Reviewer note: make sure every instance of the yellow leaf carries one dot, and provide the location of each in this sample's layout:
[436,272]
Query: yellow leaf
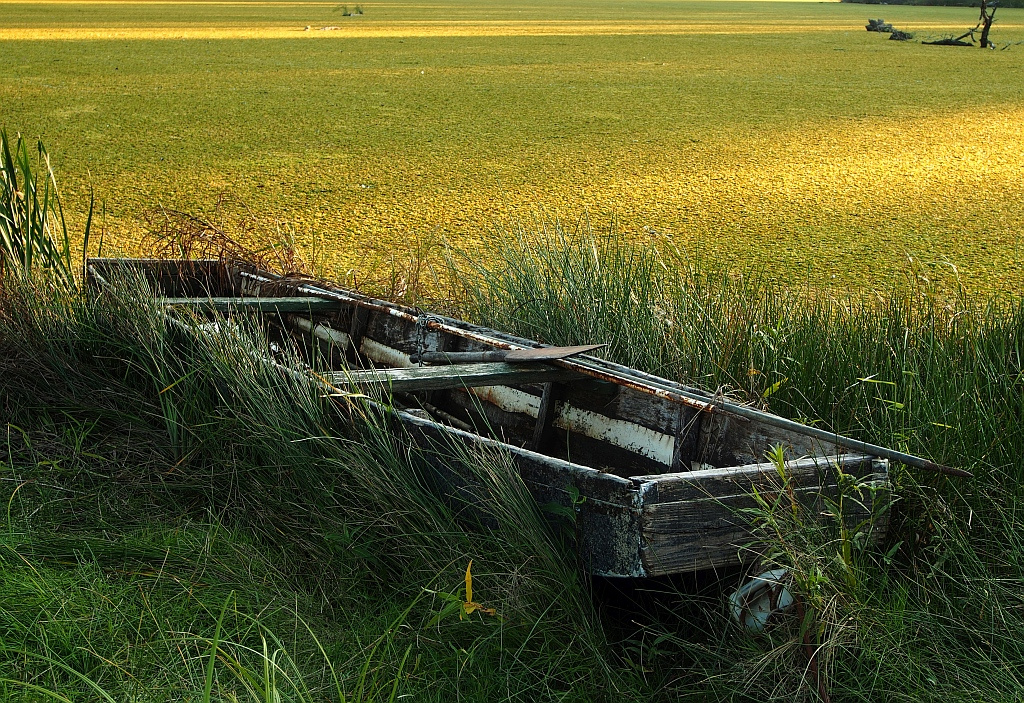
[469,607]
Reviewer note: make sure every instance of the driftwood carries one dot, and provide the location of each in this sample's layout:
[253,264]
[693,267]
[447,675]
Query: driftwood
[985,20]
[948,41]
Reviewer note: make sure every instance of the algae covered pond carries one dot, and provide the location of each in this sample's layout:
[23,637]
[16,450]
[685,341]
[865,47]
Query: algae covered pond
[780,135]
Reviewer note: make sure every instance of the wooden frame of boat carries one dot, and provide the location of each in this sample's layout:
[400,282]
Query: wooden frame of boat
[657,473]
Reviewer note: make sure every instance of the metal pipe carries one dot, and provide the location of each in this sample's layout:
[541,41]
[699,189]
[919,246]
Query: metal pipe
[321,332]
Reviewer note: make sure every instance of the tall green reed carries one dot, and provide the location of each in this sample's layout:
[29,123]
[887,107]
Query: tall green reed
[341,500]
[33,231]
[933,614]
[904,366]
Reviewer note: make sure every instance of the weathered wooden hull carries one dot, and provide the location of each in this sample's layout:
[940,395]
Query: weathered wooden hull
[657,473]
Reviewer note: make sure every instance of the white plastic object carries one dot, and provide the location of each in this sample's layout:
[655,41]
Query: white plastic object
[754,603]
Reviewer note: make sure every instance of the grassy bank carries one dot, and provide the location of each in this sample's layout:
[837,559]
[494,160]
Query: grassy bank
[168,499]
[178,511]
[183,521]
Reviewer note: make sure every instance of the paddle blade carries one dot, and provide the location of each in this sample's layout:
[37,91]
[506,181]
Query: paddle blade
[550,353]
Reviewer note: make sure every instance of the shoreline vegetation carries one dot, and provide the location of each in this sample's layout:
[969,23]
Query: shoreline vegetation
[182,524]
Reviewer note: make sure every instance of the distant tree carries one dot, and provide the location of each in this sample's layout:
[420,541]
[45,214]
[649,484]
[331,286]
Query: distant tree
[988,14]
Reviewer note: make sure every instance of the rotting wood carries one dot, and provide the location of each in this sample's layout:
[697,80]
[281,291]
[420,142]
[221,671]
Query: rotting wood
[443,343]
[671,554]
[543,430]
[620,375]
[687,433]
[631,436]
[429,378]
[193,278]
[697,515]
[491,418]
[690,485]
[605,455]
[356,330]
[511,355]
[608,509]
[724,442]
[697,519]
[620,433]
[626,435]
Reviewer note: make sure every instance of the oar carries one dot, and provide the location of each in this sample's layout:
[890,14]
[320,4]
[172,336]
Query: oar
[508,355]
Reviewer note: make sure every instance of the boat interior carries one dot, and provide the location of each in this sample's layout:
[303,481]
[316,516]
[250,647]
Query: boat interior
[582,409]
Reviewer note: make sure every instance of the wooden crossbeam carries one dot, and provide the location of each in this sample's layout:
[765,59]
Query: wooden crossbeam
[295,304]
[434,378]
[543,430]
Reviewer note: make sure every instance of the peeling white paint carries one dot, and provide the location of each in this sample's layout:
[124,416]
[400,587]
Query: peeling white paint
[509,399]
[383,354]
[327,334]
[628,435]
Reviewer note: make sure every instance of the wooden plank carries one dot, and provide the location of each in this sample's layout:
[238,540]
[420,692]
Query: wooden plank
[700,521]
[272,305]
[431,396]
[721,541]
[710,546]
[593,437]
[484,409]
[730,441]
[606,520]
[623,376]
[691,516]
[429,378]
[733,480]
[675,554]
[590,448]
[356,331]
[542,431]
[687,434]
[630,436]
[194,278]
[624,403]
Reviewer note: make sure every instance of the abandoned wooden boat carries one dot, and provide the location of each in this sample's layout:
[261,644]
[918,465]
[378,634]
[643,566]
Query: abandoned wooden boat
[656,471]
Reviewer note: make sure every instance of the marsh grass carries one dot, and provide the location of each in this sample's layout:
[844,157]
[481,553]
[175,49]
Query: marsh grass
[186,520]
[932,614]
[33,231]
[179,509]
[772,161]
